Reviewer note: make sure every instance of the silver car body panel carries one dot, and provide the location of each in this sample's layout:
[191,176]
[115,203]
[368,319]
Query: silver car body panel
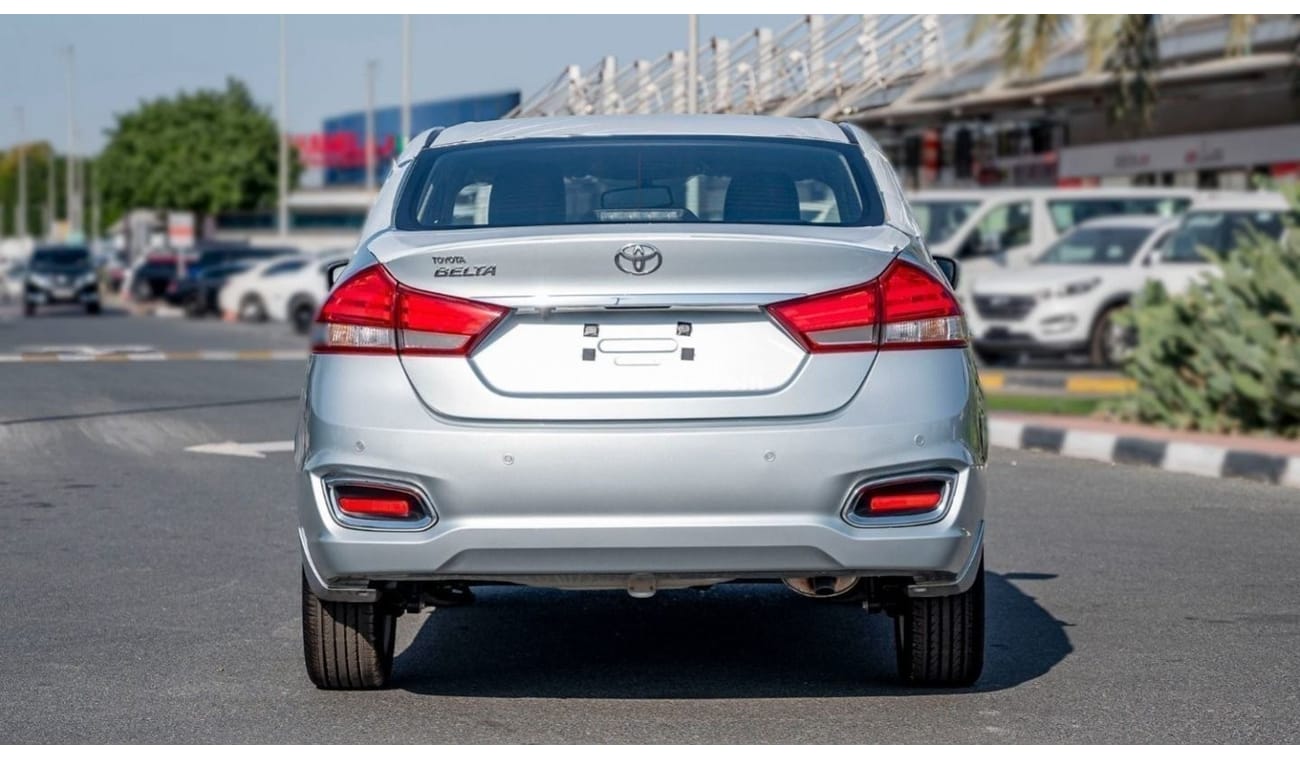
[547,468]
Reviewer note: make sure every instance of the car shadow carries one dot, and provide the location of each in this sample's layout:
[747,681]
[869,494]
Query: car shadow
[733,641]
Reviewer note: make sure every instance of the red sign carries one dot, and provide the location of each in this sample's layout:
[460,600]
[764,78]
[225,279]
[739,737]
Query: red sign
[339,150]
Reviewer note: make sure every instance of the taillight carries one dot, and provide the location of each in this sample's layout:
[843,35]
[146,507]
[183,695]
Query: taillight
[905,307]
[372,313]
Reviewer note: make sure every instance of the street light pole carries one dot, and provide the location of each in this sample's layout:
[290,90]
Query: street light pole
[20,226]
[282,170]
[371,67]
[693,64]
[406,79]
[73,213]
[49,196]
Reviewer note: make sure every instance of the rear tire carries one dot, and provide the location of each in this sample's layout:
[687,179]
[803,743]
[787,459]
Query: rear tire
[302,315]
[92,308]
[29,309]
[940,641]
[347,645]
[251,309]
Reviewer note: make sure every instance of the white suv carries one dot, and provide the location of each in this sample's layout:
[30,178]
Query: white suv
[1064,304]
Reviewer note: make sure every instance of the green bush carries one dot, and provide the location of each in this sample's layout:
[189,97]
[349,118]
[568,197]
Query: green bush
[1225,355]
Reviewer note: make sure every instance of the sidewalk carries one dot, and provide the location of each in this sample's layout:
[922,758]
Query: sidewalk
[1269,460]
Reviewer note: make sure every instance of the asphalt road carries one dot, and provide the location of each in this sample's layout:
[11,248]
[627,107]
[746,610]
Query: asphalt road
[150,594]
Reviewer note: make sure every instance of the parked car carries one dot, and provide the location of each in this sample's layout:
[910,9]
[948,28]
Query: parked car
[151,276]
[295,296]
[243,296]
[61,275]
[197,289]
[12,278]
[992,230]
[1217,221]
[1066,302]
[615,379]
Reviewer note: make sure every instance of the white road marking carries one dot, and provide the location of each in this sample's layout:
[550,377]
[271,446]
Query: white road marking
[250,450]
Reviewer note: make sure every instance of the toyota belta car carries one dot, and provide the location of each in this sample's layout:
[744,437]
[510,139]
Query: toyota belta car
[642,353]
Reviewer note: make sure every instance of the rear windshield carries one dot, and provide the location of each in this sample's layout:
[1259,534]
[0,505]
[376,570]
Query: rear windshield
[641,180]
[60,258]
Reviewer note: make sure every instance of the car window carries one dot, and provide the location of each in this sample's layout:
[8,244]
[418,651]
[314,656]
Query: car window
[1096,245]
[1007,225]
[1072,212]
[1218,231]
[939,220]
[639,180]
[284,267]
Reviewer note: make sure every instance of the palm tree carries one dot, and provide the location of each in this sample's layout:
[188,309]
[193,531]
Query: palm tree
[1124,45]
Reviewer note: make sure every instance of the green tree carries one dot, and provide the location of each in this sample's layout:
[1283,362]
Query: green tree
[1124,45]
[204,152]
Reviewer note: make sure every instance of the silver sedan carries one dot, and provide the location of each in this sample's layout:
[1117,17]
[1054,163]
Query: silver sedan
[642,353]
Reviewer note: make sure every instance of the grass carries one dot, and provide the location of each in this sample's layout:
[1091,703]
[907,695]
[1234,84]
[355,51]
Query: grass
[1028,404]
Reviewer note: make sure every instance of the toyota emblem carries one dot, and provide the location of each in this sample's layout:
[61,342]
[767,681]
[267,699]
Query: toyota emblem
[638,258]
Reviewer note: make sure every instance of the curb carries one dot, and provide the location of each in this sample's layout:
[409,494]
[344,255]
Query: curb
[1094,385]
[1172,456]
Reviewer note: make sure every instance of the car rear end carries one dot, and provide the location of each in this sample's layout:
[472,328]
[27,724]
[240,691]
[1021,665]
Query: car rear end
[644,362]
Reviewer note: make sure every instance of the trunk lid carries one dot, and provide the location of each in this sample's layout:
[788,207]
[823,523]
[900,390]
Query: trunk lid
[636,323]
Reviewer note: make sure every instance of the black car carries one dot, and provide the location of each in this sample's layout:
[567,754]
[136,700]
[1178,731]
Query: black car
[196,291]
[61,274]
[160,276]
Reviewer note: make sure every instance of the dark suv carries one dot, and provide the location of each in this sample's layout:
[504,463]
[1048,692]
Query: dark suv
[61,274]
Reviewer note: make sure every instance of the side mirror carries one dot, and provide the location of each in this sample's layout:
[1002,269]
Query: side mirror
[332,274]
[949,268]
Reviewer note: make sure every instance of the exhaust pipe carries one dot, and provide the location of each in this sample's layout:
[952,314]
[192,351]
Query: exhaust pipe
[822,586]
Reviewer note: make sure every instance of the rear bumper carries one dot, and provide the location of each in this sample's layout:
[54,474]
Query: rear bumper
[590,505]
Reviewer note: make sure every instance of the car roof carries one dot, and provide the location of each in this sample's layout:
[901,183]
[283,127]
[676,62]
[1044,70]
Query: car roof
[605,125]
[1259,200]
[1147,221]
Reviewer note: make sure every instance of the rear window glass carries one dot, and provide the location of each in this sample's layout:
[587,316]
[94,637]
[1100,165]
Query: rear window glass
[644,180]
[1075,211]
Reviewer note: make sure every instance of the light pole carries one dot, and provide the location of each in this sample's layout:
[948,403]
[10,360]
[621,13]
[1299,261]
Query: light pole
[73,212]
[371,66]
[50,201]
[282,171]
[693,64]
[406,80]
[20,226]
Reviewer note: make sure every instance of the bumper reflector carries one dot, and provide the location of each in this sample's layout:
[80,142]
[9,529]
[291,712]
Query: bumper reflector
[359,501]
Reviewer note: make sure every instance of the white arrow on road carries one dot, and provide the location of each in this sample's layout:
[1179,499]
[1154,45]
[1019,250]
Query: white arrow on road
[232,449]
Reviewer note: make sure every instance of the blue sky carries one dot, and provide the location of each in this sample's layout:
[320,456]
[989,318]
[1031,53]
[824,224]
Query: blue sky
[121,60]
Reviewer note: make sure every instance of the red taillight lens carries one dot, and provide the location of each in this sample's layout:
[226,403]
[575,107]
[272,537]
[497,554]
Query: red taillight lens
[437,324]
[357,501]
[371,313]
[906,307]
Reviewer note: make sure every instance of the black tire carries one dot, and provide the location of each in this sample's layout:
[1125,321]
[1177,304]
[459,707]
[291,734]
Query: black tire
[29,309]
[940,641]
[347,645]
[92,307]
[251,309]
[302,314]
[1108,345]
